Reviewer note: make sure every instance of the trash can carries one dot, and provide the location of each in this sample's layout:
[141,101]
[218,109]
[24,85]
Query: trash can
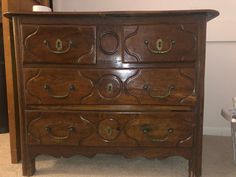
[230,115]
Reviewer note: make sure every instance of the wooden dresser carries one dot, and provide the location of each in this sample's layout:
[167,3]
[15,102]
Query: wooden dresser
[129,83]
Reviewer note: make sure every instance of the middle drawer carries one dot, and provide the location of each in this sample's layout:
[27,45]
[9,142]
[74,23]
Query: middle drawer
[173,86]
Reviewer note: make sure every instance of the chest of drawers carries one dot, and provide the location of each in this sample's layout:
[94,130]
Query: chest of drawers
[129,83]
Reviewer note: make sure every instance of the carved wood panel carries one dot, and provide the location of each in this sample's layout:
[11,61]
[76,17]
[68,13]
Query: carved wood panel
[101,87]
[57,128]
[169,130]
[163,86]
[110,129]
[57,86]
[160,43]
[59,44]
[142,86]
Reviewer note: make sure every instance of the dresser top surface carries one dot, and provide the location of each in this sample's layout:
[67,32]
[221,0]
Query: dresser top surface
[209,13]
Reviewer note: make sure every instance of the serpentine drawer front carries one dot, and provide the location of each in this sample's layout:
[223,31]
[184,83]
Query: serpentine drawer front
[110,129]
[160,43]
[96,86]
[127,83]
[59,44]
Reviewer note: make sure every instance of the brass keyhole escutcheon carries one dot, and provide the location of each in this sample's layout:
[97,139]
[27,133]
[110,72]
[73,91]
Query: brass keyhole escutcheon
[59,44]
[159,48]
[109,131]
[159,44]
[109,88]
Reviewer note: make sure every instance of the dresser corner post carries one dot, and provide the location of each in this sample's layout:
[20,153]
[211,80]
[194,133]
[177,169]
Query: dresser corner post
[28,165]
[190,168]
[195,163]
[193,169]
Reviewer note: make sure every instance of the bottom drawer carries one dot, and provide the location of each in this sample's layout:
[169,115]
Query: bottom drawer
[161,129]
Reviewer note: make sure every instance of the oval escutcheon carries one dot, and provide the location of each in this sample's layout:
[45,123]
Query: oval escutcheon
[109,129]
[109,86]
[59,44]
[159,44]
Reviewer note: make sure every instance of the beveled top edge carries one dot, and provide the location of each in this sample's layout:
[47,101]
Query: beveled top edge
[210,14]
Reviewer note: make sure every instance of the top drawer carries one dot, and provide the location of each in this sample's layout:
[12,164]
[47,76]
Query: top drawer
[160,43]
[65,44]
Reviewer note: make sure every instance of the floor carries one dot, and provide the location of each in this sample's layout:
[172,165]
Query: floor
[217,162]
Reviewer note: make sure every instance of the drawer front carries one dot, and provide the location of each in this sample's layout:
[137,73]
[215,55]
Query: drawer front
[162,129]
[59,44]
[160,43]
[110,87]
[57,128]
[55,86]
[167,130]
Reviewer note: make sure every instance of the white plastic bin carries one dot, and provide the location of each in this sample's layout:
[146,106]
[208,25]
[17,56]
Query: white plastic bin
[230,115]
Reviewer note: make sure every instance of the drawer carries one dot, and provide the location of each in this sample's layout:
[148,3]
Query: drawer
[66,44]
[55,86]
[160,43]
[44,128]
[110,87]
[160,129]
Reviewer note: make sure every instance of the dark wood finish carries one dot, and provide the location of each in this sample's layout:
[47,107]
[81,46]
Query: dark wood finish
[12,98]
[110,129]
[3,105]
[3,101]
[179,39]
[11,85]
[59,44]
[117,105]
[129,86]
[57,86]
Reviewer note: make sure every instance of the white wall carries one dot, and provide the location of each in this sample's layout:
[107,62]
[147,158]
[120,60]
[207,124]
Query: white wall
[220,85]
[222,28]
[220,81]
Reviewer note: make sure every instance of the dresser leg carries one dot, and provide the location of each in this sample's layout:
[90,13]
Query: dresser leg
[192,170]
[28,166]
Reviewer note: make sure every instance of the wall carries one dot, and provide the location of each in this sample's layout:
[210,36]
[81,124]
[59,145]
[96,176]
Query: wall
[220,85]
[221,48]
[225,23]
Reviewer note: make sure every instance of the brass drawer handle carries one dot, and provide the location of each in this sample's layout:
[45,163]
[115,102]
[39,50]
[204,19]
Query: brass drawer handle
[48,88]
[151,92]
[146,129]
[70,130]
[59,47]
[159,46]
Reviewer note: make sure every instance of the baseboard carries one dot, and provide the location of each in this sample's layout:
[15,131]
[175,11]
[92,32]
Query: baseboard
[217,131]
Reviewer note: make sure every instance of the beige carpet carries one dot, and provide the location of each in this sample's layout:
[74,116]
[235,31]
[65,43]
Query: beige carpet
[217,162]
